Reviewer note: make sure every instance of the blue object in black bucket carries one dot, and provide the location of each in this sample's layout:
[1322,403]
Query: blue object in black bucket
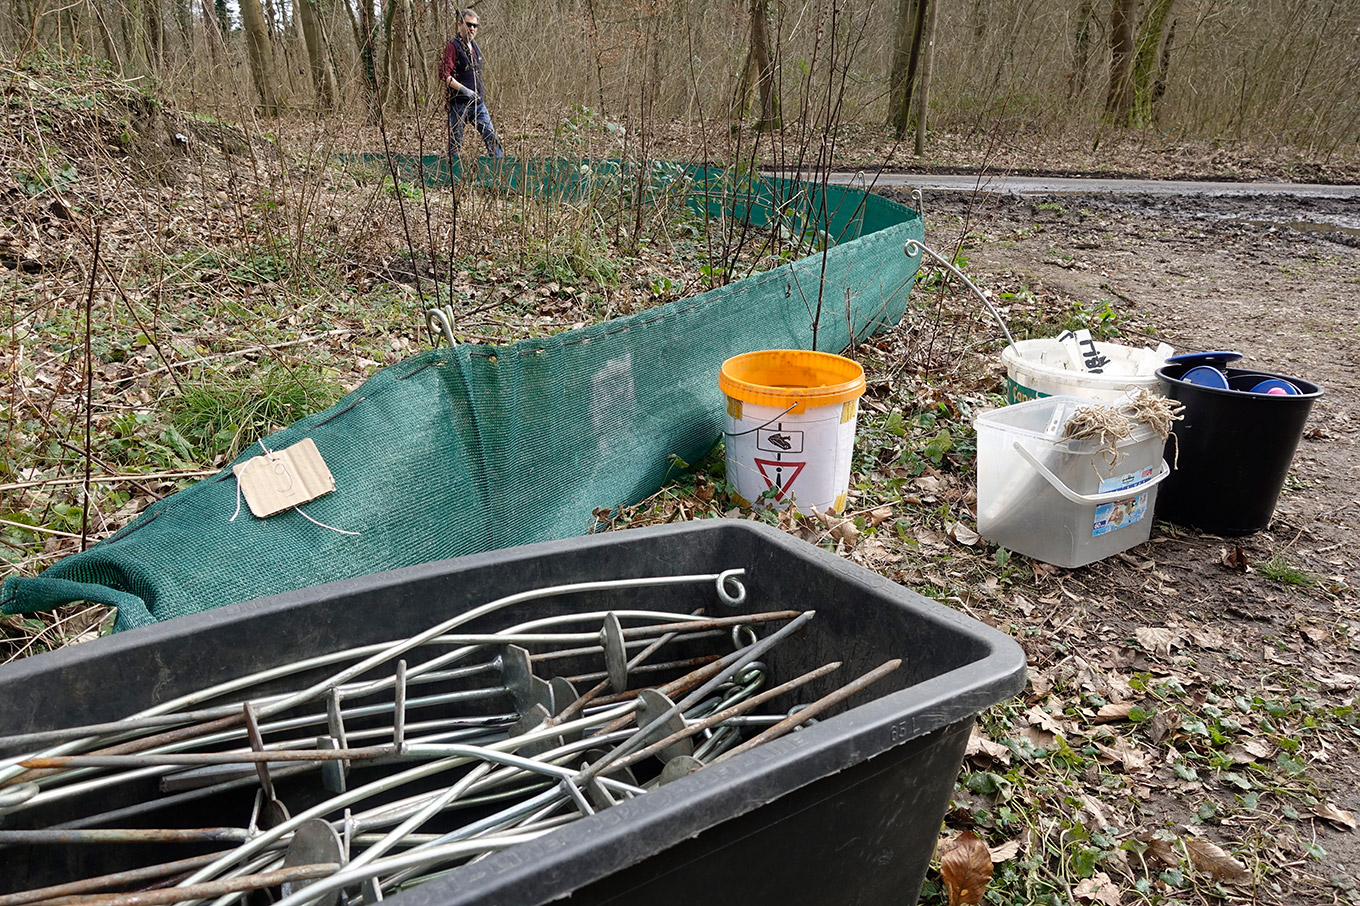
[1233,448]
[1277,387]
[1206,376]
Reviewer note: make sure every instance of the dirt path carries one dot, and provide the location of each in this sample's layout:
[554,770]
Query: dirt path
[1261,275]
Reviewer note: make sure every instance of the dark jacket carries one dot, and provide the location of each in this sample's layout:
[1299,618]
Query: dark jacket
[464,64]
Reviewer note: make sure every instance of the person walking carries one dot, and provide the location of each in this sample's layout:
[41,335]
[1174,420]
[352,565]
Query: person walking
[461,72]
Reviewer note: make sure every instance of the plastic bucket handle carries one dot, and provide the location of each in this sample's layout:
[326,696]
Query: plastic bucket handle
[1090,499]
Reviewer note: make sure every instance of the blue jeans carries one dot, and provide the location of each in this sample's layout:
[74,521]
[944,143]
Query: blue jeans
[461,110]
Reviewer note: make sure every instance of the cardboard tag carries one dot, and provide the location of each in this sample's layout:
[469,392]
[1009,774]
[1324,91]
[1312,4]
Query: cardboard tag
[284,479]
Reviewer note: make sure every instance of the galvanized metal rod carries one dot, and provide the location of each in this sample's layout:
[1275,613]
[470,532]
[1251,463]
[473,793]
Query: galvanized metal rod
[104,882]
[719,717]
[11,773]
[603,682]
[198,759]
[732,663]
[468,616]
[185,793]
[457,755]
[412,859]
[812,710]
[436,663]
[171,895]
[104,835]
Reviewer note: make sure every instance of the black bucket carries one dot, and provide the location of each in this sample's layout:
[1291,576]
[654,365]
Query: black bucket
[1232,451]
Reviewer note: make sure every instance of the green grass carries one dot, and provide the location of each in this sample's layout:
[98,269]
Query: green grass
[1281,570]
[230,411]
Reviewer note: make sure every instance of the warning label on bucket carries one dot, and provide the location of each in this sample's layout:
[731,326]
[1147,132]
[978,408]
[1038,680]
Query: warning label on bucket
[779,474]
[1122,513]
[779,441]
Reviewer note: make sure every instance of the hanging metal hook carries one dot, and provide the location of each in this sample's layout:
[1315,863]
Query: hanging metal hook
[914,248]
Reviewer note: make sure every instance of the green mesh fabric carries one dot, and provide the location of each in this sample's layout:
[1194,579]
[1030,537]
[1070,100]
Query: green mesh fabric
[475,448]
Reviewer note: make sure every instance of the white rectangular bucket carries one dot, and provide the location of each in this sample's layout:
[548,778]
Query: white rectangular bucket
[1059,500]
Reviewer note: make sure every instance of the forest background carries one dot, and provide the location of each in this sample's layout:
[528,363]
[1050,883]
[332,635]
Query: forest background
[1263,73]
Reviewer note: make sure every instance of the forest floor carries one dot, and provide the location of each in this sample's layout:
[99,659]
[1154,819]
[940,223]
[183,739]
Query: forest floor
[1202,633]
[1189,732]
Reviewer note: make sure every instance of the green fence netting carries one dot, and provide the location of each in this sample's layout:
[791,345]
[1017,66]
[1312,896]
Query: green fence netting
[474,448]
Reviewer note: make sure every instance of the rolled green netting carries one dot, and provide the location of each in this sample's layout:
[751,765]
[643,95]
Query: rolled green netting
[475,448]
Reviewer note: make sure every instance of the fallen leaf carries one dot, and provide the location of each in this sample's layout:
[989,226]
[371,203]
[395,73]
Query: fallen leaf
[1040,739]
[1235,559]
[927,484]
[963,534]
[1211,639]
[1098,889]
[1335,815]
[1161,725]
[965,868]
[1023,603]
[979,744]
[1158,641]
[1215,861]
[926,538]
[1113,712]
[1160,850]
[1005,852]
[1250,751]
[878,515]
[840,529]
[1040,718]
[1339,682]
[1092,814]
[1124,754]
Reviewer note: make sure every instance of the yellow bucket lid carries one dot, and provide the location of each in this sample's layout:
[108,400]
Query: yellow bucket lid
[792,377]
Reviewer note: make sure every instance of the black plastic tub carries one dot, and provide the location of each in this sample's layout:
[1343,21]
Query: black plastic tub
[1232,450]
[845,811]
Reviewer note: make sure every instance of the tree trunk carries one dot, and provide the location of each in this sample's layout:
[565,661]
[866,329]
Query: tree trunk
[1079,73]
[1119,97]
[907,39]
[364,37]
[763,65]
[1151,59]
[922,88]
[318,59]
[399,89]
[155,35]
[106,38]
[261,53]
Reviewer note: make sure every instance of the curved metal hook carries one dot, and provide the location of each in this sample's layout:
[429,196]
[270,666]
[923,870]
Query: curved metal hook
[439,321]
[732,577]
[914,248]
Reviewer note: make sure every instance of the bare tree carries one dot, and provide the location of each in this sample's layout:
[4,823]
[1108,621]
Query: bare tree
[908,35]
[1119,96]
[1139,56]
[261,52]
[1079,72]
[758,72]
[313,16]
[922,89]
[398,85]
[1151,62]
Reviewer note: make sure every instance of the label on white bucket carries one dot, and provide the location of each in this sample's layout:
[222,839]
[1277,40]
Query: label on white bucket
[802,458]
[1122,513]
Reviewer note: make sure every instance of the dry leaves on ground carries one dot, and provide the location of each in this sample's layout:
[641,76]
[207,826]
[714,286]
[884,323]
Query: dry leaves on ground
[965,868]
[1215,861]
